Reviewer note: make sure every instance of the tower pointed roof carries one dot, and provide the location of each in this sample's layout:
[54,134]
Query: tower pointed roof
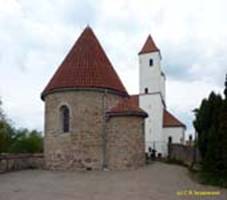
[86,66]
[149,46]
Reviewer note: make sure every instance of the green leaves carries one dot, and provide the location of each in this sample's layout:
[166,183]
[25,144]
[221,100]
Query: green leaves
[211,125]
[6,133]
[18,140]
[27,142]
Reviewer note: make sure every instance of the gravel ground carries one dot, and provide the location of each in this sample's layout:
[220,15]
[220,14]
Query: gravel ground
[154,182]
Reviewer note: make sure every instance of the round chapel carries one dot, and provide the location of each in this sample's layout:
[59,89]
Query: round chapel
[91,122]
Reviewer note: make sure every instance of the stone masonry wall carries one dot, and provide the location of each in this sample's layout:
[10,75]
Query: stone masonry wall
[82,147]
[125,146]
[13,162]
[186,154]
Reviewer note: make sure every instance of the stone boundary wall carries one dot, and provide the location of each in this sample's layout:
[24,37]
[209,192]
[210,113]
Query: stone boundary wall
[14,162]
[188,155]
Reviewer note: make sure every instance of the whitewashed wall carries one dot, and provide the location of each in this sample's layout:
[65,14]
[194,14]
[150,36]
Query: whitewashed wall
[153,124]
[150,76]
[152,103]
[163,86]
[177,134]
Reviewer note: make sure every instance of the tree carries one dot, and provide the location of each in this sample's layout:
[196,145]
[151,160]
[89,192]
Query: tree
[211,125]
[14,140]
[6,132]
[206,119]
[1,112]
[225,90]
[223,135]
[223,141]
[27,142]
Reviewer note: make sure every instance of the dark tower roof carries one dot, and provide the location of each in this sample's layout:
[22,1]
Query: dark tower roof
[149,46]
[86,66]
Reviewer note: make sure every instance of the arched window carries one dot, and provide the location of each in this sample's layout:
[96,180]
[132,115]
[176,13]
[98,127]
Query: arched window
[65,118]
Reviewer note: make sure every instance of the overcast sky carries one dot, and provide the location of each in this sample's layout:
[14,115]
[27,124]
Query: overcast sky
[36,35]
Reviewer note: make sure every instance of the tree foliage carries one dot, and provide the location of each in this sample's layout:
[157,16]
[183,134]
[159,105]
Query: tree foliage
[1,112]
[211,126]
[14,140]
[26,141]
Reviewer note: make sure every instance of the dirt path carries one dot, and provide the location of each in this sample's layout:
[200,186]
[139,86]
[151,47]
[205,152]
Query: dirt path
[155,182]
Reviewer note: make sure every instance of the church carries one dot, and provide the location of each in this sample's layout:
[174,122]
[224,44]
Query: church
[91,122]
[161,126]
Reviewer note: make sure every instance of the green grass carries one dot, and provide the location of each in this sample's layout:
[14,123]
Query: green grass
[212,179]
[206,178]
[201,177]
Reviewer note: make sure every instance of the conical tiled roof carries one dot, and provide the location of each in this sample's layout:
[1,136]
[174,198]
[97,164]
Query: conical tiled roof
[86,66]
[149,46]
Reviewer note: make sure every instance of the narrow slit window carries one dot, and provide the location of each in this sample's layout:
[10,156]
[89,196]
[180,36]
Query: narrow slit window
[151,62]
[146,90]
[65,118]
[169,139]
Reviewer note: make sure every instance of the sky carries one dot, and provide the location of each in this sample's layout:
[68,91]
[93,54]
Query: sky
[35,36]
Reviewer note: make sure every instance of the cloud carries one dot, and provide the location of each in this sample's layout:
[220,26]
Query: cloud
[184,96]
[36,35]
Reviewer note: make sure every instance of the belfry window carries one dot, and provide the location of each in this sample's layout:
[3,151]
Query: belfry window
[65,118]
[151,62]
[146,90]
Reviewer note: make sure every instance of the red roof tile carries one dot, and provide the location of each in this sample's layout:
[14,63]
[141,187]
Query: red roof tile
[149,46]
[135,99]
[127,106]
[170,121]
[86,66]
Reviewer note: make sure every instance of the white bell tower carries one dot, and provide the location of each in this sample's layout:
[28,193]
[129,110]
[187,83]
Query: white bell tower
[152,94]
